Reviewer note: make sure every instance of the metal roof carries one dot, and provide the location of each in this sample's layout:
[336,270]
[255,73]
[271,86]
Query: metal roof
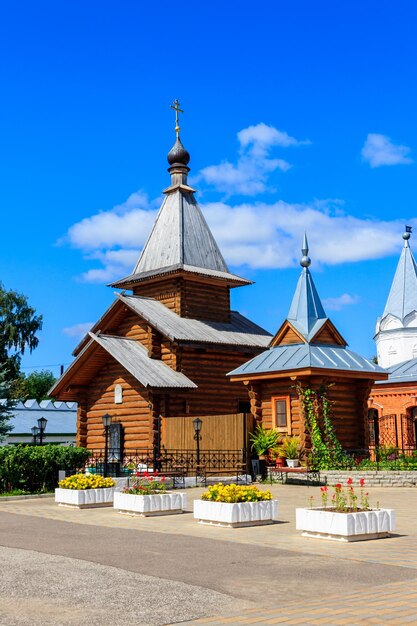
[301,356]
[180,239]
[306,312]
[239,332]
[405,372]
[61,416]
[134,358]
[402,298]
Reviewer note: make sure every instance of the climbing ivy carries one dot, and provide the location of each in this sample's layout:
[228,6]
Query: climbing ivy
[327,451]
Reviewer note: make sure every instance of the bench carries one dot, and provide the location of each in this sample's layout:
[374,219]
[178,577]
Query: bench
[282,473]
[237,470]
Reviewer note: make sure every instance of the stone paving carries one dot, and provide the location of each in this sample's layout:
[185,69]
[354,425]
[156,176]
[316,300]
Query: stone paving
[380,599]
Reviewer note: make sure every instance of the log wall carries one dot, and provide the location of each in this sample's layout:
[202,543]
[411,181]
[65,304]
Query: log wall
[134,413]
[190,298]
[349,409]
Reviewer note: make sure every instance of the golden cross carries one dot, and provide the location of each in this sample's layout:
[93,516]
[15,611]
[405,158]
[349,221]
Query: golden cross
[176,107]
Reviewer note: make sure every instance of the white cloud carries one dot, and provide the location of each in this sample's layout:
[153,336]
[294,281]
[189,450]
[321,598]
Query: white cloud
[379,150]
[78,330]
[258,235]
[338,303]
[249,176]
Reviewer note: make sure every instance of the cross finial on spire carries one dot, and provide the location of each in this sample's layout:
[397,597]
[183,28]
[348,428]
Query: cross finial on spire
[176,107]
[305,261]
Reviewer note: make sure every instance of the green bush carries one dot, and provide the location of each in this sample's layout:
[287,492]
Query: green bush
[34,469]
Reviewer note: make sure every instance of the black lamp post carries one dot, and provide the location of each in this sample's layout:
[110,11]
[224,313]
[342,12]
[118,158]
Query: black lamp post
[35,432]
[42,421]
[197,423]
[106,423]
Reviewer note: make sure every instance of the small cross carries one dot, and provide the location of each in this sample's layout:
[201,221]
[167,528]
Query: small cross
[176,107]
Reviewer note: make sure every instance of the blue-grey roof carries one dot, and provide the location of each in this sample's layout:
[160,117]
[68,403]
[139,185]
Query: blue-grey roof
[61,416]
[402,298]
[405,372]
[238,332]
[306,312]
[180,239]
[133,356]
[301,356]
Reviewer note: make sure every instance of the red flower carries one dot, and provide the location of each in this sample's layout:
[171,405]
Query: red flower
[325,488]
[362,482]
[338,487]
[349,481]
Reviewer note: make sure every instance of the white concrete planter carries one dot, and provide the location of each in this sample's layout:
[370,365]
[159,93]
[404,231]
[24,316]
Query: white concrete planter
[84,498]
[167,503]
[322,524]
[235,514]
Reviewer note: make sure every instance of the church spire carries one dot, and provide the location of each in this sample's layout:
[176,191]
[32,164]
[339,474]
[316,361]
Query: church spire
[396,329]
[306,312]
[181,240]
[402,299]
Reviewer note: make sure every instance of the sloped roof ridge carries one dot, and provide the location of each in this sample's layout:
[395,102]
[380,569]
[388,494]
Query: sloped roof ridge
[402,298]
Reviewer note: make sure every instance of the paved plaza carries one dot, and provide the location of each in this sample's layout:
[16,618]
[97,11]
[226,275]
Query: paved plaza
[77,567]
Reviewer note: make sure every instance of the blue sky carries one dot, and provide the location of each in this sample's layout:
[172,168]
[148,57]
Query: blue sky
[298,115]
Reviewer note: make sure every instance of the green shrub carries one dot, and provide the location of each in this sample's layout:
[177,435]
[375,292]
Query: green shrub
[34,469]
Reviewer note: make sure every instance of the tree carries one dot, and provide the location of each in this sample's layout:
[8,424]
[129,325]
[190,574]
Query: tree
[36,386]
[5,405]
[19,325]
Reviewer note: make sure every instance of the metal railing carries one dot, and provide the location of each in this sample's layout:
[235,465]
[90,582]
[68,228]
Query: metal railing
[165,461]
[381,458]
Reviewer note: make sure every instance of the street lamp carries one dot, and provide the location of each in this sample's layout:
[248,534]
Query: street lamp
[106,423]
[35,432]
[42,421]
[197,423]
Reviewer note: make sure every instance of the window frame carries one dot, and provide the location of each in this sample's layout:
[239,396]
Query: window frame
[281,429]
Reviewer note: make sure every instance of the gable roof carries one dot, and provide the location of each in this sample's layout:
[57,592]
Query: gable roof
[239,332]
[132,356]
[291,358]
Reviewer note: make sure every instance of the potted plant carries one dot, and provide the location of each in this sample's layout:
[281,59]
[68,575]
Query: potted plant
[262,440]
[291,450]
[348,517]
[147,496]
[83,491]
[234,506]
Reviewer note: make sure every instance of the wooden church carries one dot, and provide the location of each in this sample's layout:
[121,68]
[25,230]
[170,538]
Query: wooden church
[165,345]
[308,349]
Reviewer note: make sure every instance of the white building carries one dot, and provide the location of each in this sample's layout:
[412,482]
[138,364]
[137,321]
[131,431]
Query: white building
[60,427]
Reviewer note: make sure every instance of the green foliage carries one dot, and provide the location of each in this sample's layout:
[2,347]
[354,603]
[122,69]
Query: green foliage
[35,468]
[326,449]
[18,327]
[36,386]
[290,448]
[262,440]
[5,426]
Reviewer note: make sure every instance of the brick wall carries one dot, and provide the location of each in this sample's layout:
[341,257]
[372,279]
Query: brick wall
[372,478]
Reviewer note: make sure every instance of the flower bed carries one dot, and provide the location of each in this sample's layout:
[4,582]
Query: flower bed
[83,491]
[166,503]
[147,496]
[234,506]
[348,518]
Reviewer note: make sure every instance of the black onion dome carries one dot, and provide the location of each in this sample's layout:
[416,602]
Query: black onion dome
[178,154]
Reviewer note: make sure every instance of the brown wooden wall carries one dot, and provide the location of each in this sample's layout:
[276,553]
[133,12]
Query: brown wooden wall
[218,432]
[349,409]
[134,413]
[190,298]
